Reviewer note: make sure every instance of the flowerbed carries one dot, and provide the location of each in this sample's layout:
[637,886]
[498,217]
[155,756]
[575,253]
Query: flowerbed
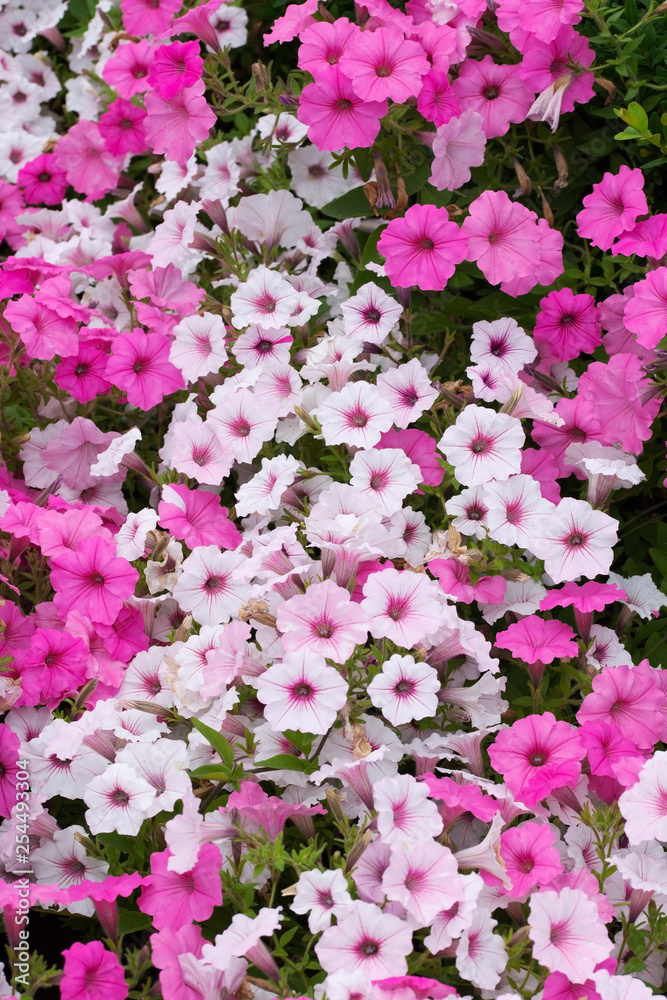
[332,365]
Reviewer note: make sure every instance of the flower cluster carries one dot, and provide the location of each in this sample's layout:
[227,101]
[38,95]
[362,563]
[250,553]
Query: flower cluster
[310,638]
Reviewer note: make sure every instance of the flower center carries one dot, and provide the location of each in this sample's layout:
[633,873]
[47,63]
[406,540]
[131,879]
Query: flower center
[537,759]
[369,948]
[425,243]
[316,170]
[213,584]
[479,445]
[324,630]
[383,71]
[303,690]
[576,538]
[404,687]
[119,797]
[343,104]
[490,93]
[372,315]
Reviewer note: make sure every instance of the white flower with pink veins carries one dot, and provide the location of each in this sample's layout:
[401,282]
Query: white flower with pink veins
[483,445]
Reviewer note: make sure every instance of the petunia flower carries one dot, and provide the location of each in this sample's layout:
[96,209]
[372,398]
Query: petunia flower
[422,248]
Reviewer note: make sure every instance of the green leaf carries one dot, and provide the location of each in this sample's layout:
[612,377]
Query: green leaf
[635,116]
[371,252]
[287,762]
[211,771]
[633,965]
[217,741]
[348,206]
[131,921]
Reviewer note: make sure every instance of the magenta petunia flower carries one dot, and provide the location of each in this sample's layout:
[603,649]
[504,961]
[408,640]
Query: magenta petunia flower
[139,365]
[90,972]
[567,325]
[615,392]
[174,899]
[647,239]
[54,665]
[437,101]
[122,127]
[322,45]
[89,166]
[423,248]
[10,745]
[612,207]
[537,755]
[535,638]
[384,64]
[174,67]
[196,517]
[42,181]
[82,374]
[93,580]
[336,116]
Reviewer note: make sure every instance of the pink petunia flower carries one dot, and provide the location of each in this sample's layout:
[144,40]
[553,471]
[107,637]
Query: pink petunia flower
[386,474]
[93,580]
[196,517]
[336,116]
[567,933]
[9,754]
[409,390]
[647,239]
[483,445]
[324,620]
[437,101]
[54,665]
[560,63]
[90,971]
[139,365]
[198,347]
[536,639]
[322,45]
[417,445]
[537,755]
[612,207]
[629,699]
[83,374]
[502,237]
[199,452]
[423,248]
[644,805]
[88,164]
[367,939]
[384,64]
[148,17]
[530,856]
[175,126]
[567,325]
[127,69]
[175,900]
[496,92]
[174,67]
[645,314]
[301,693]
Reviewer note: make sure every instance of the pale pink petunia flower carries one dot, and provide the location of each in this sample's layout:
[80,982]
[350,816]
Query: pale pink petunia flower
[357,415]
[301,693]
[405,690]
[481,956]
[483,445]
[458,145]
[322,895]
[470,511]
[577,541]
[387,475]
[266,299]
[370,315]
[206,588]
[567,933]
[644,805]
[118,801]
[501,342]
[423,880]
[262,493]
[324,620]
[170,243]
[404,810]
[198,347]
[263,348]
[367,939]
[409,391]
[516,511]
[244,423]
[402,606]
[198,452]
[131,538]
